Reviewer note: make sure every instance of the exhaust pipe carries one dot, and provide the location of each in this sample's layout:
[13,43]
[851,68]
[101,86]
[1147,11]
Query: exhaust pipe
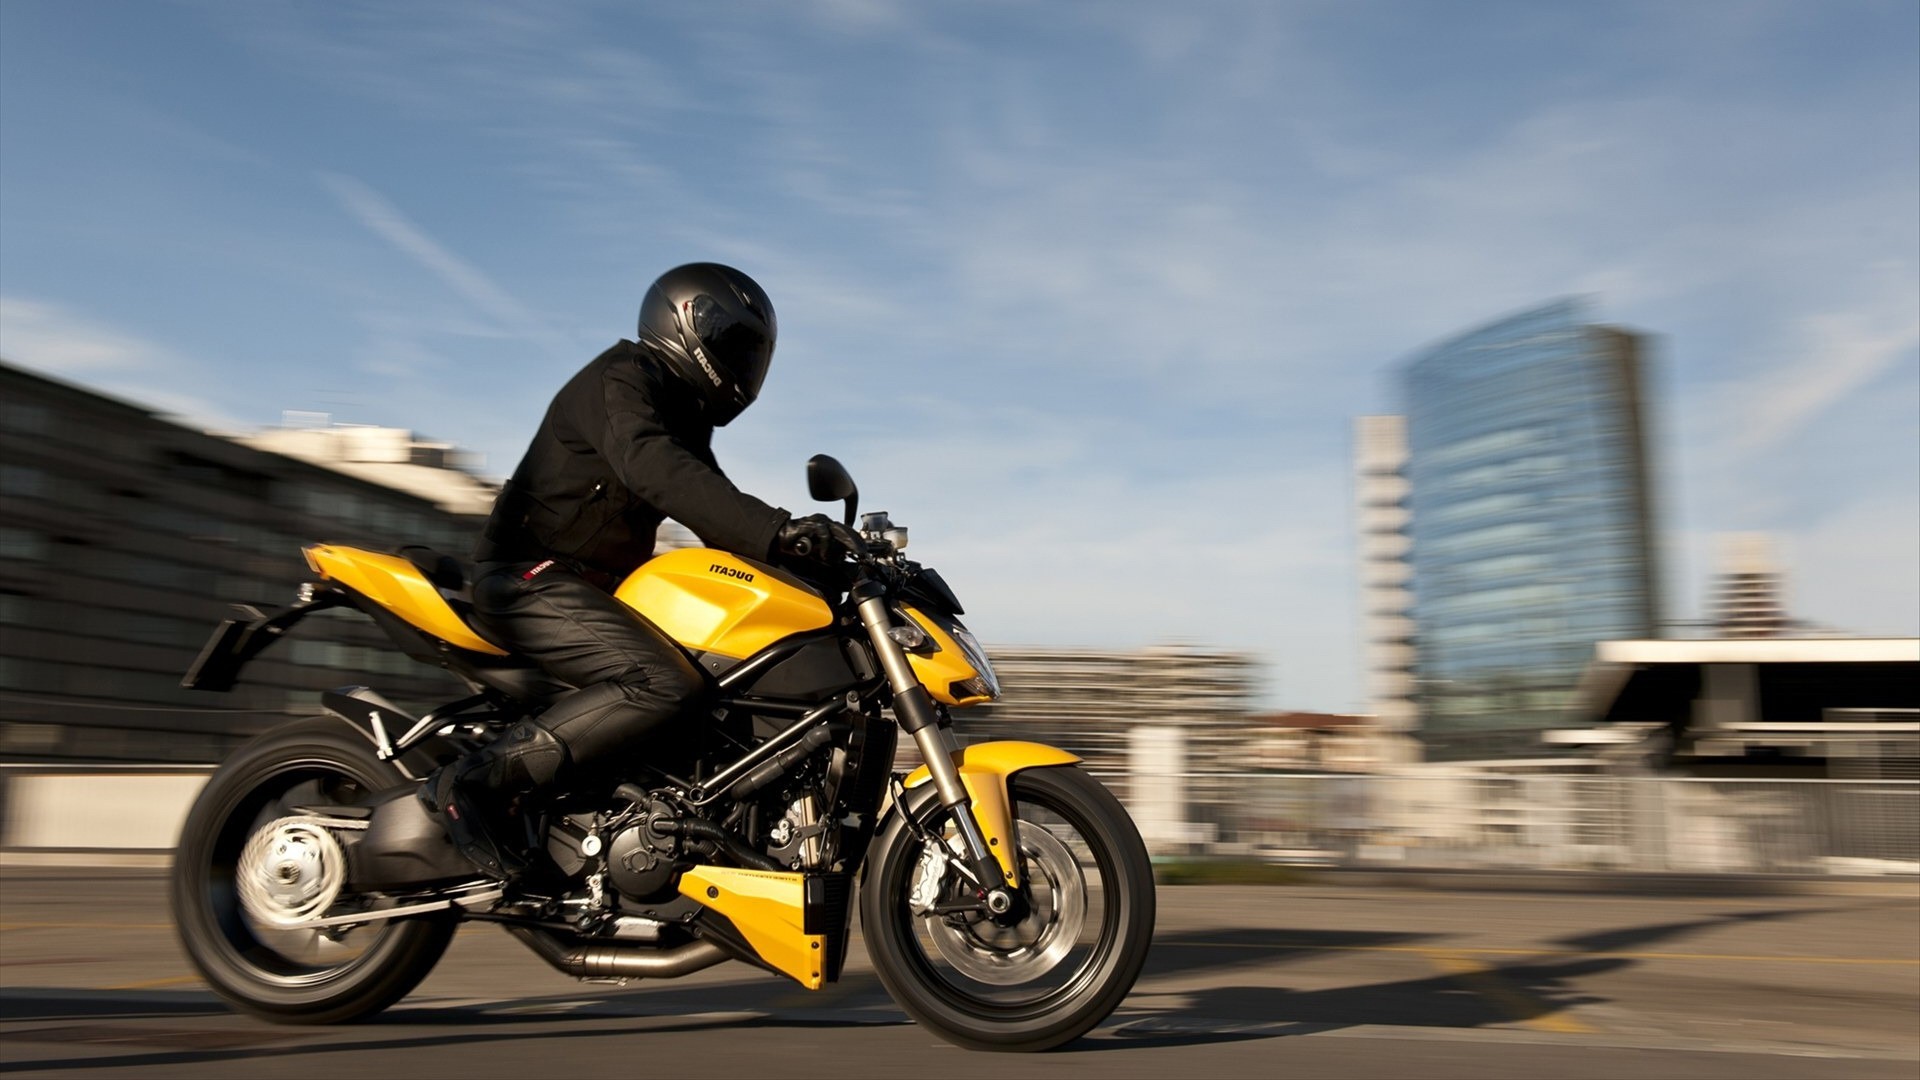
[619,961]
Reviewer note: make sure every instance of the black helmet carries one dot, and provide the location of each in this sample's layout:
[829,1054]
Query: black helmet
[713,325]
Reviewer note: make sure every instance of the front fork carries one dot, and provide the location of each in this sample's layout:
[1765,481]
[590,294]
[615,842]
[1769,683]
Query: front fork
[914,708]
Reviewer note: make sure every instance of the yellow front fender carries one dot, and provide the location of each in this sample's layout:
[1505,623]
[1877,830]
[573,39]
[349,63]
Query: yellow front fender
[984,769]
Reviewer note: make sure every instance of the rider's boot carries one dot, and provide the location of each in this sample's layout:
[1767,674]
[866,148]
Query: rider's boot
[478,798]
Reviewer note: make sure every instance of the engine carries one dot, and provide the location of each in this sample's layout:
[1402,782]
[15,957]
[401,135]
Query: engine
[639,850]
[640,858]
[794,840]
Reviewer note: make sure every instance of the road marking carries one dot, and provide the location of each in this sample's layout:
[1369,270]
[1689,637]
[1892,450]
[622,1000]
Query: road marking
[1306,946]
[155,984]
[1527,1010]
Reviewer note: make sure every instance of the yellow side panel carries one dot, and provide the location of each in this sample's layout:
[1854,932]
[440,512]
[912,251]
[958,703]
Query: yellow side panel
[400,587]
[770,911]
[984,768]
[948,665]
[711,601]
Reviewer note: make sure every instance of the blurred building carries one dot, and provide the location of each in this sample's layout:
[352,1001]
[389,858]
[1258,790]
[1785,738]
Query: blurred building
[1529,519]
[1167,727]
[1305,742]
[1748,593]
[124,538]
[1386,583]
[389,457]
[1775,707]
[1088,701]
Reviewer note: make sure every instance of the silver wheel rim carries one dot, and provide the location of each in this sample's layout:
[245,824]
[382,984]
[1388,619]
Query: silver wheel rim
[290,872]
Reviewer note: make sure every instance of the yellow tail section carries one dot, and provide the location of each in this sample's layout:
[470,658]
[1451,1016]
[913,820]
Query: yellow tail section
[400,587]
[714,602]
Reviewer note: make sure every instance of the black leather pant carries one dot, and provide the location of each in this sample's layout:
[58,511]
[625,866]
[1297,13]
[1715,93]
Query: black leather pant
[629,678]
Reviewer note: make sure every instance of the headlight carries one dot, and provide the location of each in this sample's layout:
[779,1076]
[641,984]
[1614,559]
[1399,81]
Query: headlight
[951,663]
[984,682]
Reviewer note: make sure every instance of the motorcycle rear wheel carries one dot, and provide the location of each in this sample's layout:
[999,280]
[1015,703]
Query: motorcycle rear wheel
[1058,973]
[290,976]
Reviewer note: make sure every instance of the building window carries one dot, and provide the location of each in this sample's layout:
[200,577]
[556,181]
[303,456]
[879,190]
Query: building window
[23,481]
[15,609]
[24,418]
[21,544]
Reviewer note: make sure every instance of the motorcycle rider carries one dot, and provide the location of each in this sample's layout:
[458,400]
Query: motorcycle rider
[625,444]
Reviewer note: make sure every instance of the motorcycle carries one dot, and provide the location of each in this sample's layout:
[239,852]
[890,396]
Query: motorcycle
[1005,897]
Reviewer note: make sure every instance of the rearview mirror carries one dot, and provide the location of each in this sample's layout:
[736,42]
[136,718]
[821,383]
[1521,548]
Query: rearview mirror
[828,481]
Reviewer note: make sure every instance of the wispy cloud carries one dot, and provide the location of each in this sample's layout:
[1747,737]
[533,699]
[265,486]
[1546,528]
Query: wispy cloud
[59,341]
[488,300]
[1835,354]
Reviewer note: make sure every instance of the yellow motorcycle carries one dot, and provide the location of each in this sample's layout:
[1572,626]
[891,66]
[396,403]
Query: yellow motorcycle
[1006,899]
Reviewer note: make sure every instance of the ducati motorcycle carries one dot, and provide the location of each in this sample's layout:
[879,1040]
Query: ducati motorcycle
[1005,898]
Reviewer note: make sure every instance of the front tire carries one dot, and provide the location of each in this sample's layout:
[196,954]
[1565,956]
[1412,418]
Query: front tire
[1061,970]
[290,976]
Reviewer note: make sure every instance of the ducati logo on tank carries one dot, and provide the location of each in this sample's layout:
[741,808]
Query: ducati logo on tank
[731,571]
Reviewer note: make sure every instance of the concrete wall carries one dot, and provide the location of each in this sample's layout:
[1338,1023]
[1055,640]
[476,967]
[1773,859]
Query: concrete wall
[116,811]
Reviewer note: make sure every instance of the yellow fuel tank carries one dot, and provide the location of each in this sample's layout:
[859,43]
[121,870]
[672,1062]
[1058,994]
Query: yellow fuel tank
[714,602]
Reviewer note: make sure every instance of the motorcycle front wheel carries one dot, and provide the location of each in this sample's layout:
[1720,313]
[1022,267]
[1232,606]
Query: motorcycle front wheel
[1045,980]
[252,864]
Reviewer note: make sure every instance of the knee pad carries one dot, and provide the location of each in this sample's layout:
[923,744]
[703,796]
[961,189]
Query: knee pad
[528,758]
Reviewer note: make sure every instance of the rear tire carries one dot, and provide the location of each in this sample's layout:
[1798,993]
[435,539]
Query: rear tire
[1061,971]
[290,976]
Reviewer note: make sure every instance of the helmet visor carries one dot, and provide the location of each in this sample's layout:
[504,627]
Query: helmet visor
[741,349]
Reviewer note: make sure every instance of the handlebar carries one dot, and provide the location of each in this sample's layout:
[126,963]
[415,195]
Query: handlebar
[849,539]
[845,537]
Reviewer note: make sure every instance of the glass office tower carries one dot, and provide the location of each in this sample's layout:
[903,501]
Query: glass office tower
[1531,522]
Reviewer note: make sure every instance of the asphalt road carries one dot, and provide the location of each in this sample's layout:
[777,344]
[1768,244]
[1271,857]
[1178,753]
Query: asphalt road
[1243,982]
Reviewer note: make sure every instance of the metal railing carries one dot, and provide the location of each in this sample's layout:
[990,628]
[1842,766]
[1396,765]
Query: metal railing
[1561,822]
[1451,820]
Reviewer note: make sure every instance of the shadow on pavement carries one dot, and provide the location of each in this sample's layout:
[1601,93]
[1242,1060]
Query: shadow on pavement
[1438,1000]
[1632,937]
[1524,988]
[38,1003]
[1215,950]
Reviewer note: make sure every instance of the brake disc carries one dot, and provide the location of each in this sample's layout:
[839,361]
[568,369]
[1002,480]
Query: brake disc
[987,952]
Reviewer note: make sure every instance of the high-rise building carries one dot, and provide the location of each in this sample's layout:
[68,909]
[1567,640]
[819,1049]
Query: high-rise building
[1530,519]
[1386,581]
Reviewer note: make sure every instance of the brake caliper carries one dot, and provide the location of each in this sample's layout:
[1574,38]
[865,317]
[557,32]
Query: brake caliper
[930,879]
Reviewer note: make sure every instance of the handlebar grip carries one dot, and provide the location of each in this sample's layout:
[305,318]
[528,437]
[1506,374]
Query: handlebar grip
[848,538]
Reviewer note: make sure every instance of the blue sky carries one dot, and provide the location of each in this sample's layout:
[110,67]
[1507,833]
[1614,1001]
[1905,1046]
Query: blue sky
[1086,293]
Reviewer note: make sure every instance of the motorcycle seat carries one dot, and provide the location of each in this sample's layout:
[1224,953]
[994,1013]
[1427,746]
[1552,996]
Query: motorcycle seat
[450,576]
[447,573]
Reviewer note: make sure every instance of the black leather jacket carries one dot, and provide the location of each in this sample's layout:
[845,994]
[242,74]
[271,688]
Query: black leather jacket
[622,447]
